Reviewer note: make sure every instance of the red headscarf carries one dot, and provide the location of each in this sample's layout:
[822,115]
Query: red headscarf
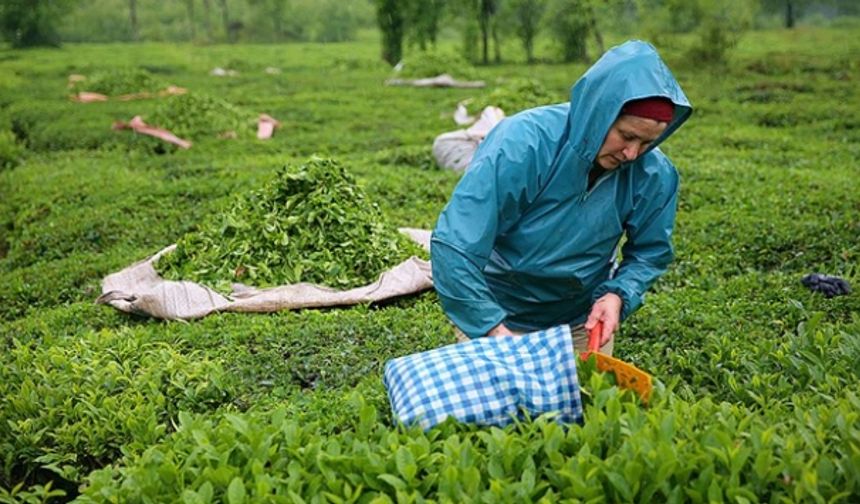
[657,108]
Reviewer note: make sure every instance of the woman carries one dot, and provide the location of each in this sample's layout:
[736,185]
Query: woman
[528,239]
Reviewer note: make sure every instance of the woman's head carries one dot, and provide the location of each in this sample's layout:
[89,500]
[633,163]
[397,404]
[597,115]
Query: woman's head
[621,78]
[637,126]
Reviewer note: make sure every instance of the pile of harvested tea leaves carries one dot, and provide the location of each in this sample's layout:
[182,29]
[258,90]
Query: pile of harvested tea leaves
[311,223]
[516,95]
[121,81]
[194,115]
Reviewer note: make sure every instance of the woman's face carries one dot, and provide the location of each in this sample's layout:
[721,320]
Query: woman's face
[627,139]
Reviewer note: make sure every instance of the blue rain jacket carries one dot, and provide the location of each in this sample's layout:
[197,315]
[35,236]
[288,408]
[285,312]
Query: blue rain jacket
[523,241]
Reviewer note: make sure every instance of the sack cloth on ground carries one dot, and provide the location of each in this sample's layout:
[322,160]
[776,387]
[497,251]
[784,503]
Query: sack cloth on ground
[443,80]
[488,381]
[139,289]
[454,150]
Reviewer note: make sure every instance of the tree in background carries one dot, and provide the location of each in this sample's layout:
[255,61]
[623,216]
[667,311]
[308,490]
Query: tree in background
[29,23]
[225,20]
[189,10]
[336,21]
[132,20]
[569,22]
[526,17]
[717,24]
[463,15]
[272,11]
[486,10]
[207,20]
[422,20]
[792,9]
[722,25]
[390,17]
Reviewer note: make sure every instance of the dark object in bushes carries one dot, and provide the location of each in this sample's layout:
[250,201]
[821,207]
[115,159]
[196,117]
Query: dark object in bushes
[828,285]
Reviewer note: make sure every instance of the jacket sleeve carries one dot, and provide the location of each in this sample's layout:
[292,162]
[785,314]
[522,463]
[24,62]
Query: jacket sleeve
[502,181]
[648,250]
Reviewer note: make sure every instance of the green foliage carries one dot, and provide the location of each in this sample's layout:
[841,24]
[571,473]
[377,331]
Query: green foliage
[217,21]
[74,404]
[759,402]
[336,21]
[196,115]
[390,16]
[464,15]
[515,95]
[420,157]
[10,151]
[527,16]
[569,22]
[423,18]
[432,63]
[29,23]
[310,224]
[36,494]
[662,17]
[701,451]
[723,23]
[52,126]
[717,25]
[121,81]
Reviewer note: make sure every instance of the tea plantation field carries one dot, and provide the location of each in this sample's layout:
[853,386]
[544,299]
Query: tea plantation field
[760,398]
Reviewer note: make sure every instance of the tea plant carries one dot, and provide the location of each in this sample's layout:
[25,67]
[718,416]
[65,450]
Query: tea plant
[121,81]
[676,452]
[195,115]
[10,152]
[433,63]
[73,404]
[756,375]
[515,95]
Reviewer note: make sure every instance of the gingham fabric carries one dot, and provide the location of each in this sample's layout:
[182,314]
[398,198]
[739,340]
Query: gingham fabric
[487,381]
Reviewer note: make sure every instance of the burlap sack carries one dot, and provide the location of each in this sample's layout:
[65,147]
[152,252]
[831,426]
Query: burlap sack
[443,81]
[139,289]
[454,150]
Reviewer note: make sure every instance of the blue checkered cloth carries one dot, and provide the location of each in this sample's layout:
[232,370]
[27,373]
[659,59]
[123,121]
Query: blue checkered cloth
[487,381]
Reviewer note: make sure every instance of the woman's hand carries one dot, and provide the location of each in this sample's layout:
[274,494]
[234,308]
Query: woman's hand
[607,309]
[501,330]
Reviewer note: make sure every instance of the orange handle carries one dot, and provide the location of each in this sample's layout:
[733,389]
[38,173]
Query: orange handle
[593,340]
[594,337]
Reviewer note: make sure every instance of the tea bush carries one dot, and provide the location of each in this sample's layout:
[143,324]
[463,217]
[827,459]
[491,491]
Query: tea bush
[757,375]
[10,152]
[195,115]
[432,63]
[78,403]
[43,125]
[515,95]
[121,81]
[680,451]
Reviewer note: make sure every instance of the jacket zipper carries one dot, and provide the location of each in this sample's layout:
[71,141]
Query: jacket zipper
[584,196]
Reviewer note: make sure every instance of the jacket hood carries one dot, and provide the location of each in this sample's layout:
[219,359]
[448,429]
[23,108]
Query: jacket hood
[630,71]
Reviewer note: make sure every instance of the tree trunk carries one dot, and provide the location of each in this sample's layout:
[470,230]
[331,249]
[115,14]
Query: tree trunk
[485,35]
[789,14]
[278,19]
[132,18]
[597,35]
[189,6]
[225,18]
[207,9]
[390,18]
[497,50]
[528,44]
